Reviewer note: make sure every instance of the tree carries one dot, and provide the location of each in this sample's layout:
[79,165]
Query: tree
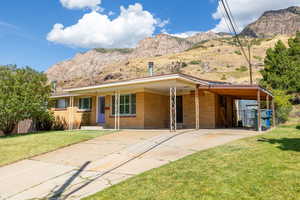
[24,94]
[282,66]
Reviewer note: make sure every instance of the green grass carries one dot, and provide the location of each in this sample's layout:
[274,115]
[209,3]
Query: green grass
[20,147]
[265,167]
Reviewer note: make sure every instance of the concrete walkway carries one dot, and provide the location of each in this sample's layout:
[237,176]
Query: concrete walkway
[83,169]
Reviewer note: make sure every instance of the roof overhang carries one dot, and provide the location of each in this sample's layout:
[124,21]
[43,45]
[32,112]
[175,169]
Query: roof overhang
[161,78]
[239,91]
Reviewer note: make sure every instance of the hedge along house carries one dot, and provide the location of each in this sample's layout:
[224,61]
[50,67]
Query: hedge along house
[157,102]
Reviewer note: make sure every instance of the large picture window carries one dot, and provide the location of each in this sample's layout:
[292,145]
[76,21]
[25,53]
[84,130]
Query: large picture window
[61,103]
[85,104]
[127,104]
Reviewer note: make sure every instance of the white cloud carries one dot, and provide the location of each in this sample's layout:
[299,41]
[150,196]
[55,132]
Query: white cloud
[81,4]
[162,23]
[247,11]
[111,13]
[98,30]
[185,34]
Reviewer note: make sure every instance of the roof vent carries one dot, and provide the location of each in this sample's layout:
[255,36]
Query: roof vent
[151,68]
[53,85]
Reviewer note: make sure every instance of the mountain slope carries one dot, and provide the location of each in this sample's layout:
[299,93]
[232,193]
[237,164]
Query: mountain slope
[279,22]
[104,64]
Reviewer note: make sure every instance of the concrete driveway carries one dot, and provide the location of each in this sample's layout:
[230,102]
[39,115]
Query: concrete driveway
[83,169]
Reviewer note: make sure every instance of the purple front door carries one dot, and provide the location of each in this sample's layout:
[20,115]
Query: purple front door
[101,110]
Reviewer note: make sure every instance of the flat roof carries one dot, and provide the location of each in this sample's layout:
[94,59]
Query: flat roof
[179,76]
[216,86]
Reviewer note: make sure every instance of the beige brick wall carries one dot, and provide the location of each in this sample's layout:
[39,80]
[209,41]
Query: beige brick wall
[156,109]
[189,111]
[77,117]
[207,109]
[126,122]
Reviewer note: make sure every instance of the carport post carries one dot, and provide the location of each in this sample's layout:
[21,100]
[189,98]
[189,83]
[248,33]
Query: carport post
[197,107]
[273,113]
[268,102]
[173,114]
[258,111]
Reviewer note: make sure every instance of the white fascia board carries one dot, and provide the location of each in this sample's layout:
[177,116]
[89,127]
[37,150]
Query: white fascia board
[63,95]
[137,81]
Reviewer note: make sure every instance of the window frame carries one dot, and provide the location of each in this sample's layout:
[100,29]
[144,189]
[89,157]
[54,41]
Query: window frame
[85,109]
[66,104]
[130,104]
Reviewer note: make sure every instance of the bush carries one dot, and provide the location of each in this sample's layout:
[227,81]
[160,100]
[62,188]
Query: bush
[283,106]
[45,121]
[258,58]
[242,69]
[238,52]
[224,77]
[195,62]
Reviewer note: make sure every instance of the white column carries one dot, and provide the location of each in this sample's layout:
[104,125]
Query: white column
[116,110]
[71,114]
[173,122]
[258,111]
[119,110]
[273,113]
[197,108]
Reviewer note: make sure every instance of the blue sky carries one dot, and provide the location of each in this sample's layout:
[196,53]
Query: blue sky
[24,25]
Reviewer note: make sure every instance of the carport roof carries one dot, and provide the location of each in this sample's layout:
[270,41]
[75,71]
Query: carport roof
[248,92]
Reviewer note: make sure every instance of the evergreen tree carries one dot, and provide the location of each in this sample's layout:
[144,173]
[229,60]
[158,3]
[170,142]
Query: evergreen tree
[282,66]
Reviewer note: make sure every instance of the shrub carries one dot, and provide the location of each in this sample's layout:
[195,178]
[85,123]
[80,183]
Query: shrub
[283,106]
[224,77]
[184,64]
[242,69]
[258,58]
[45,121]
[238,52]
[195,62]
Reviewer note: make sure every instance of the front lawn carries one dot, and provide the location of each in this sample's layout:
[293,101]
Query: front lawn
[19,147]
[257,168]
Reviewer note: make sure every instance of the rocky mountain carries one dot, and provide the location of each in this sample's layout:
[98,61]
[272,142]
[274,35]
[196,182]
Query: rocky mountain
[104,64]
[276,22]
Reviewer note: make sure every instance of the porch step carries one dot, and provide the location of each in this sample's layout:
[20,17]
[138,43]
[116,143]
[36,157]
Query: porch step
[92,128]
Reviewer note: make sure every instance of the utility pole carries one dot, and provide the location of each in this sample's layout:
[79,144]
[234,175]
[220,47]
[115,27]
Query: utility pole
[250,64]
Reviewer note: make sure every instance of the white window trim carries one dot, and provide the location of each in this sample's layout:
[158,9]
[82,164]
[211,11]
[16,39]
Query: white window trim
[66,103]
[130,104]
[85,110]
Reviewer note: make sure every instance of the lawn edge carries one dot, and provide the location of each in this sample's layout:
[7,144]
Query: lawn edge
[68,145]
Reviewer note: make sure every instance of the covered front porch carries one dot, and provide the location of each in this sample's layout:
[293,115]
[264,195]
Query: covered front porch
[156,105]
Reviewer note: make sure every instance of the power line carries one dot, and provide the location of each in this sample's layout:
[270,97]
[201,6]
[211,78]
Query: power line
[234,27]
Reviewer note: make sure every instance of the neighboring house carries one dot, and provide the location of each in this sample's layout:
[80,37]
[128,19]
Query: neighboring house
[155,102]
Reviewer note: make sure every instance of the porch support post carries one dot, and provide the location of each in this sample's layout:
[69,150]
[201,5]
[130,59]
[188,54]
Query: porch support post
[119,96]
[116,110]
[197,107]
[71,114]
[258,111]
[173,123]
[268,102]
[273,113]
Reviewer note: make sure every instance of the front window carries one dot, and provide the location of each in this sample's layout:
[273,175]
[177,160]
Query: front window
[85,103]
[61,103]
[127,104]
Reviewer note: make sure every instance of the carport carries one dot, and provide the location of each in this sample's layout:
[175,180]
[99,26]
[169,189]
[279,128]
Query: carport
[232,93]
